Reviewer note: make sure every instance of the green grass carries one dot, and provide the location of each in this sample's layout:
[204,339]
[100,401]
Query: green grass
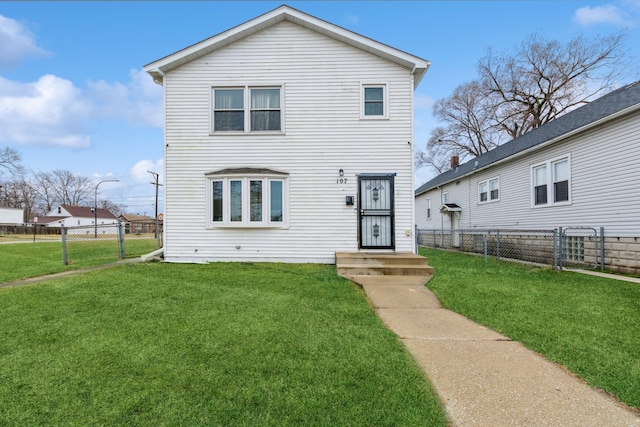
[589,324]
[24,260]
[221,344]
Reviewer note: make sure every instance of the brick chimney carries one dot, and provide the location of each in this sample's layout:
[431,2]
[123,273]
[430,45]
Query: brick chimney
[455,161]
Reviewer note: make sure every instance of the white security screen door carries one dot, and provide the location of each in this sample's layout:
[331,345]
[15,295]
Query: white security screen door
[376,215]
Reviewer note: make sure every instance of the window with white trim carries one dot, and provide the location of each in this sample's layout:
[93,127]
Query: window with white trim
[428,208]
[374,101]
[445,197]
[489,190]
[250,200]
[247,109]
[551,182]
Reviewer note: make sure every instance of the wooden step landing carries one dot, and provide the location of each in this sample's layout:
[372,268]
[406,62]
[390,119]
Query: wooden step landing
[350,264]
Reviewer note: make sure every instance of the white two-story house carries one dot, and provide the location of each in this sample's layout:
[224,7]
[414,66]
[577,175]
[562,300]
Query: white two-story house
[287,138]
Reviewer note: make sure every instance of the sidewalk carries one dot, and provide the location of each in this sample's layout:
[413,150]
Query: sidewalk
[482,377]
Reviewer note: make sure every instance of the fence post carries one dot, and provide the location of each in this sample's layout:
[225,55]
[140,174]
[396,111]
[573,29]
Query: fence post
[601,248]
[484,241]
[498,244]
[63,235]
[555,249]
[120,241]
[560,249]
[417,238]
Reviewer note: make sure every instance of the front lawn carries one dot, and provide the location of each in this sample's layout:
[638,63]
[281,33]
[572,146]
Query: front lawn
[589,324]
[221,344]
[27,259]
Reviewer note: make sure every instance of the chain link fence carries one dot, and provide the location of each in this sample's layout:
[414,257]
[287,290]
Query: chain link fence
[574,246]
[105,243]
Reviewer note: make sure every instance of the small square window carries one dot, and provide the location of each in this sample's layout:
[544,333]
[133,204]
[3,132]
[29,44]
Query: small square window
[374,100]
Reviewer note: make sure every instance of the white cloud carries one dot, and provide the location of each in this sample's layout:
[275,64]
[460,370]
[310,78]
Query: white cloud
[606,14]
[139,101]
[140,171]
[16,43]
[50,111]
[53,112]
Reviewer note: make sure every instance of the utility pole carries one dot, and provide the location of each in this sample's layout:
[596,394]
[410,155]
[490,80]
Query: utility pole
[157,185]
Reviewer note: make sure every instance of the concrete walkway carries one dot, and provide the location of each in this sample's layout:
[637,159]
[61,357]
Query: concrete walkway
[482,377]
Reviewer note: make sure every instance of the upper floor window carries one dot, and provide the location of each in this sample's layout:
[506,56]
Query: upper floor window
[247,109]
[551,182]
[374,101]
[247,200]
[489,190]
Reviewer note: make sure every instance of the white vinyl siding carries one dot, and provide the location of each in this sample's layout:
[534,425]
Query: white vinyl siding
[321,109]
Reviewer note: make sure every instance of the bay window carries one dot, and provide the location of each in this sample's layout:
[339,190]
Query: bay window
[246,201]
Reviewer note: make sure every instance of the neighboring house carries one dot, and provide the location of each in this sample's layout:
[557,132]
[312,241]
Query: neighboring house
[287,138]
[74,216]
[11,216]
[138,223]
[579,170]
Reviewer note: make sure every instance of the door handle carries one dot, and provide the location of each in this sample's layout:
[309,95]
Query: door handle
[361,211]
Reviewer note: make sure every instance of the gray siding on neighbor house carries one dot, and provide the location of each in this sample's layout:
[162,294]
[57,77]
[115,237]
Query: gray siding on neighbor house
[321,79]
[605,185]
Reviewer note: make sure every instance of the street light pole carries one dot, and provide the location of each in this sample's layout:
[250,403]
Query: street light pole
[95,205]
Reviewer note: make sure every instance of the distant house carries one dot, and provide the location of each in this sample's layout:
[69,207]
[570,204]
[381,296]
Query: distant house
[579,170]
[11,216]
[287,138]
[74,216]
[139,224]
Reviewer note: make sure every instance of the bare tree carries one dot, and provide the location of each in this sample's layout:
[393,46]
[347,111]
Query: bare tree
[61,187]
[114,208]
[543,79]
[19,194]
[10,161]
[469,129]
[519,91]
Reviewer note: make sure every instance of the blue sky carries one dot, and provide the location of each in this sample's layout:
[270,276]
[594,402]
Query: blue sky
[73,94]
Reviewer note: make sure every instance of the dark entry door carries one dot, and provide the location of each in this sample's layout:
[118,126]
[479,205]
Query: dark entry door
[376,216]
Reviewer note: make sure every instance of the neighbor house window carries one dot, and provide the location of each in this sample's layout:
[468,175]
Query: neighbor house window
[374,101]
[445,198]
[428,208]
[551,182]
[247,109]
[251,200]
[489,190]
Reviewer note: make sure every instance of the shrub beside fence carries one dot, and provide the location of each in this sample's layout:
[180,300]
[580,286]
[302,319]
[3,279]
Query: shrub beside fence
[575,246]
[105,243]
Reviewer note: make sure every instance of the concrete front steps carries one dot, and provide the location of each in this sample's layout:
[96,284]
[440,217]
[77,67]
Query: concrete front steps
[387,268]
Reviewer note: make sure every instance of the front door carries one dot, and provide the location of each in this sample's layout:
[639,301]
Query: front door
[375,213]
